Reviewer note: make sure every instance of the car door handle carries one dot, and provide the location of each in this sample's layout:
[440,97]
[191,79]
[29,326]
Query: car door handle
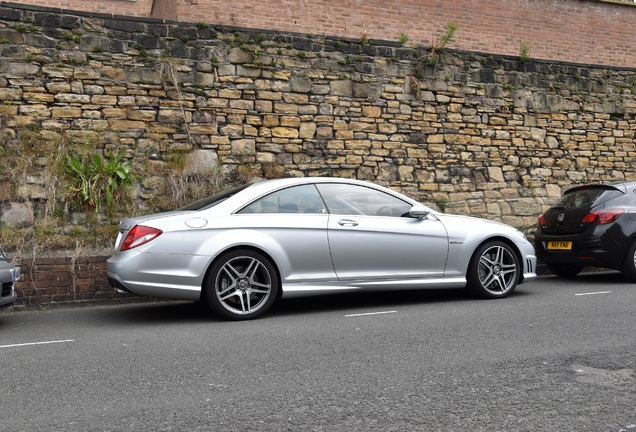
[343,222]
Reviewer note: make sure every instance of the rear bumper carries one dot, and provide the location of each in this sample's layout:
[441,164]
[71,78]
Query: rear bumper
[585,253]
[119,286]
[154,275]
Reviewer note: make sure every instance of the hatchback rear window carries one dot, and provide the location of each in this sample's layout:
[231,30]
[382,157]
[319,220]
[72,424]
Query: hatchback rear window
[586,198]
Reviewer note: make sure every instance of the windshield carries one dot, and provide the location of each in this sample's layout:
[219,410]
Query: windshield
[213,200]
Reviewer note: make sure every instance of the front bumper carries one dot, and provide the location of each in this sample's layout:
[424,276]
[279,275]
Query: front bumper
[8,296]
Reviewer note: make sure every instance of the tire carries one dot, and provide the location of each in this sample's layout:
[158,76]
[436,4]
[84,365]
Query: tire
[629,264]
[241,285]
[493,271]
[565,271]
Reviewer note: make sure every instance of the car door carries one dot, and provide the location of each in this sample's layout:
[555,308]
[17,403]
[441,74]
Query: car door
[372,238]
[291,225]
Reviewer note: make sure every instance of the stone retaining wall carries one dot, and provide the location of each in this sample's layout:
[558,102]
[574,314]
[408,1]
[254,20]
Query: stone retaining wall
[486,135]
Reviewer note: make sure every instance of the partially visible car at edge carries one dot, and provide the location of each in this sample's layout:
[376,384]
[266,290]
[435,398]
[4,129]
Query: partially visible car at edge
[592,225]
[9,275]
[241,250]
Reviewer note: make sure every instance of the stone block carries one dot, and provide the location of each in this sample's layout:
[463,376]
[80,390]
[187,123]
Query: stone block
[244,147]
[239,56]
[285,132]
[17,214]
[70,98]
[341,88]
[174,116]
[84,73]
[371,111]
[200,162]
[115,113]
[36,110]
[307,130]
[126,125]
[270,95]
[285,108]
[300,84]
[66,112]
[142,115]
[10,94]
[230,94]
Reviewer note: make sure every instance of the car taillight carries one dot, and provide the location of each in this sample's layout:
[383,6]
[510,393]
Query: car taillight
[541,221]
[139,235]
[603,217]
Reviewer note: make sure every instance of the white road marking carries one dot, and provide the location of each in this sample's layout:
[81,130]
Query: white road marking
[36,343]
[370,313]
[593,293]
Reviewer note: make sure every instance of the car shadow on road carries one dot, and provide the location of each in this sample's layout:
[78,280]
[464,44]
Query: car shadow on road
[164,311]
[359,302]
[175,312]
[590,276]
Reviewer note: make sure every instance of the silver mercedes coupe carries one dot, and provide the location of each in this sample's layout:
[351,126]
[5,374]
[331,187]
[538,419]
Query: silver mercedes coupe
[241,250]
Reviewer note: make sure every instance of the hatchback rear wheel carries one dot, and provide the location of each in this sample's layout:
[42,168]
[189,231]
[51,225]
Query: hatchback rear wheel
[494,270]
[629,264]
[241,285]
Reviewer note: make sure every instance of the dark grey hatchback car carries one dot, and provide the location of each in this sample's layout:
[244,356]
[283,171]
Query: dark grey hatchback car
[591,225]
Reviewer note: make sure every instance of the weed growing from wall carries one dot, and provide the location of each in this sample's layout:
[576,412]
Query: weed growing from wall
[433,56]
[169,73]
[30,164]
[97,182]
[184,185]
[524,51]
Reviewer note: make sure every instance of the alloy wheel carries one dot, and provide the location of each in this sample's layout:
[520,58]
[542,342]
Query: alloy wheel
[498,270]
[243,285]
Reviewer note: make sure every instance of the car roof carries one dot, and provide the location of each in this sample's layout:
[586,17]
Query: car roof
[269,185]
[264,187]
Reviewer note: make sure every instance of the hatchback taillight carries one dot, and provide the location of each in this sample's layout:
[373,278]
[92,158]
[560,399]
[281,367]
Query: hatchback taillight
[541,221]
[139,235]
[603,217]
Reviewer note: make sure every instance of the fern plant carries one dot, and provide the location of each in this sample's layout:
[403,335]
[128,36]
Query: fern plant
[96,181]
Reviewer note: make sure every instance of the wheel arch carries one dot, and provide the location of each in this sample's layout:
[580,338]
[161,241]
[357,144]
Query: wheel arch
[508,242]
[242,247]
[631,240]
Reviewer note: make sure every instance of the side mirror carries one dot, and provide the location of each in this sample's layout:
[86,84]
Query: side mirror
[419,212]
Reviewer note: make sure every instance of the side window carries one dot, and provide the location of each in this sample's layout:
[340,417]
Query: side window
[360,200]
[296,199]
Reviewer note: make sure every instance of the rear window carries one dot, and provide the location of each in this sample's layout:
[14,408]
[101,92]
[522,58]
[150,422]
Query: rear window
[587,198]
[213,200]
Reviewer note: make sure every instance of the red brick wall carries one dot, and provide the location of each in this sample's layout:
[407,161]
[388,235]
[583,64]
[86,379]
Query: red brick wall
[582,31]
[117,7]
[62,280]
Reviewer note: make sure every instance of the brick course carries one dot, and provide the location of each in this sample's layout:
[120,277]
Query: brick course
[63,280]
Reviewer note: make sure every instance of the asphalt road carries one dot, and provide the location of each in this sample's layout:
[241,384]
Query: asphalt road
[555,356]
